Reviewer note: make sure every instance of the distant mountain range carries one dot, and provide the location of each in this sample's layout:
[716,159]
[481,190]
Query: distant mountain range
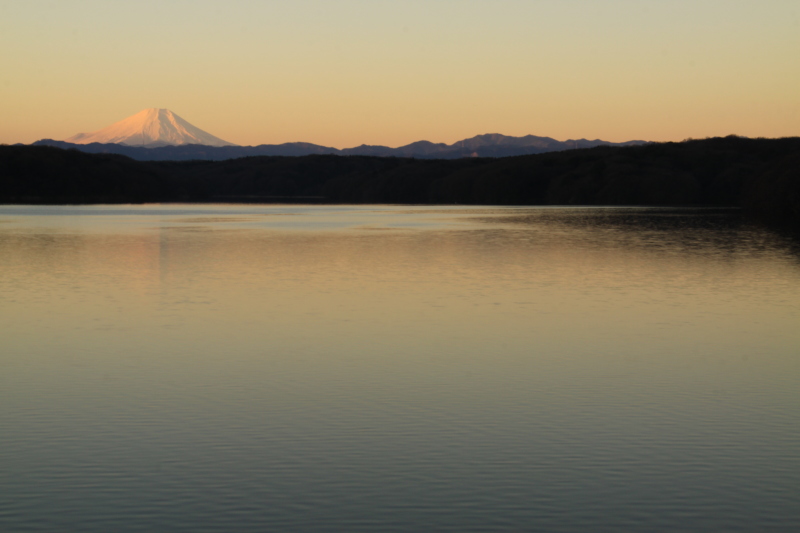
[161,135]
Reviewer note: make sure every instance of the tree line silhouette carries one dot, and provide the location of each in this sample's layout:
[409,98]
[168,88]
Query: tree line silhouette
[760,175]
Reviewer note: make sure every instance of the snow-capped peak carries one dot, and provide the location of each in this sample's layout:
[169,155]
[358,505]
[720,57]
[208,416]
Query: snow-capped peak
[150,127]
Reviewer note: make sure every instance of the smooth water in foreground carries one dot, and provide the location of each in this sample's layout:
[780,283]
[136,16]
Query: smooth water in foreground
[380,368]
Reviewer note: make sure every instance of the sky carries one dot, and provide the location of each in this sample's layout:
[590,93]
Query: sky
[343,73]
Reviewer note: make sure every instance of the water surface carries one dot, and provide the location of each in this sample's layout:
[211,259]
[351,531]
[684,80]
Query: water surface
[364,368]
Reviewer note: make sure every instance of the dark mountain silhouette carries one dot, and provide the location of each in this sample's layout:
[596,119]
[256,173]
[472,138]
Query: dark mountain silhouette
[490,145]
[762,176]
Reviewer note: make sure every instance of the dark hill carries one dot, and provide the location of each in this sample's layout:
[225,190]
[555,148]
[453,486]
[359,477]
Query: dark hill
[760,175]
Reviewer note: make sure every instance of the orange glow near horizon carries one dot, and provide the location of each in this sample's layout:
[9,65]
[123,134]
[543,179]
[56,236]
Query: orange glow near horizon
[364,72]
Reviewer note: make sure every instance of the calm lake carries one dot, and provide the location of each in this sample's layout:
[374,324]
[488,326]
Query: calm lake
[198,368]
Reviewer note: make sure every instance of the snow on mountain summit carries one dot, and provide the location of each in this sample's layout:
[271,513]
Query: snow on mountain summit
[150,128]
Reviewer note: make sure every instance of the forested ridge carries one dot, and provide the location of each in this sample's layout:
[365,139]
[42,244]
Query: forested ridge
[760,175]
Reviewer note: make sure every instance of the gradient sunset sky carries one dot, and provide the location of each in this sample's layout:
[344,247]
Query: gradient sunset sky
[348,72]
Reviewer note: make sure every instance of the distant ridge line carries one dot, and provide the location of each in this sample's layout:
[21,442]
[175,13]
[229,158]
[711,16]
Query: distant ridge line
[486,145]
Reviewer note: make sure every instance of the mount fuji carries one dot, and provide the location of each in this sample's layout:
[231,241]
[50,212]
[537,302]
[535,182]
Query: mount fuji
[150,128]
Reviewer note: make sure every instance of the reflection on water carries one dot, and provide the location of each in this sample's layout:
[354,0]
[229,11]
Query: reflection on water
[310,368]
